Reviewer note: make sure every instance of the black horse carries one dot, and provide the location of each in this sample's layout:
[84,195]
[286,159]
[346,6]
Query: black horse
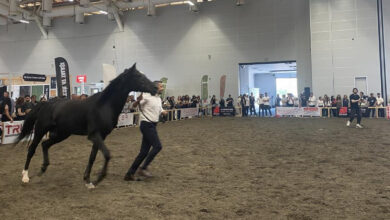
[95,117]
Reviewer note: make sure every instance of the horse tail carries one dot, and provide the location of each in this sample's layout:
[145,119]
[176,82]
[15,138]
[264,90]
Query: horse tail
[29,122]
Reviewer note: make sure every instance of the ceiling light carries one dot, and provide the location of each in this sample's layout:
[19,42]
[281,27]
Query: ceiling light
[71,0]
[24,21]
[190,3]
[103,12]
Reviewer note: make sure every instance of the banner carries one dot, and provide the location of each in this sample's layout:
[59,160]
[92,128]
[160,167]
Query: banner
[226,111]
[109,73]
[188,112]
[343,111]
[297,111]
[53,83]
[34,77]
[46,91]
[62,75]
[222,86]
[164,81]
[11,131]
[204,87]
[125,119]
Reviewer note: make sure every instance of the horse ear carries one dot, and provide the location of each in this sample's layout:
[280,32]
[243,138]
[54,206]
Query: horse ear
[134,66]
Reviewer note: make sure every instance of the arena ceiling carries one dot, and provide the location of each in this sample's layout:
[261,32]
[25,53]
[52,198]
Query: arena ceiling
[42,12]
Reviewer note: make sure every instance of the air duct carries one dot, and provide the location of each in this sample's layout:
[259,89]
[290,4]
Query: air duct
[47,5]
[151,8]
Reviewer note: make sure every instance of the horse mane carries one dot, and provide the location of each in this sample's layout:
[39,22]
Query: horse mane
[115,85]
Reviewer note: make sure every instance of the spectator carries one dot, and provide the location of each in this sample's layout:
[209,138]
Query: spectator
[230,101]
[20,111]
[290,100]
[371,103]
[222,103]
[213,103]
[261,104]
[43,99]
[277,101]
[303,100]
[252,104]
[327,104]
[312,100]
[246,104]
[345,101]
[266,103]
[34,99]
[333,105]
[379,103]
[82,97]
[27,104]
[5,108]
[284,100]
[339,104]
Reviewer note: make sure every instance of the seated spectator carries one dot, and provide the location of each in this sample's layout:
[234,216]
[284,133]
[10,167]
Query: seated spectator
[20,111]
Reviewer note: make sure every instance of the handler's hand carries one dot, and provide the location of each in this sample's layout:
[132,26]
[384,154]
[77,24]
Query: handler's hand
[164,112]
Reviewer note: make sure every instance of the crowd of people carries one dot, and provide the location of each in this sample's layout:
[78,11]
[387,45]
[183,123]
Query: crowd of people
[16,110]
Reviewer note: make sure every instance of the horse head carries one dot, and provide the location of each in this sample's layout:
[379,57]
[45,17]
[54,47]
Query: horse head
[140,83]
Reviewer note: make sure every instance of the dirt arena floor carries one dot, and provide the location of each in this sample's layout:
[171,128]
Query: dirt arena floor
[220,168]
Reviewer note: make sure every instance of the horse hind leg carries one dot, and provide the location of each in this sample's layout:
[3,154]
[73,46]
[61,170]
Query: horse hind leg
[54,138]
[30,154]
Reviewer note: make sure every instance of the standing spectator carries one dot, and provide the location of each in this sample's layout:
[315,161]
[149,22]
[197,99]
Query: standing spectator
[266,103]
[261,105]
[364,105]
[222,103]
[355,99]
[290,100]
[34,99]
[230,101]
[312,100]
[20,111]
[333,105]
[213,103]
[371,103]
[178,106]
[284,100]
[327,104]
[5,109]
[246,105]
[252,108]
[277,101]
[339,104]
[379,103]
[27,104]
[303,100]
[345,101]
[320,104]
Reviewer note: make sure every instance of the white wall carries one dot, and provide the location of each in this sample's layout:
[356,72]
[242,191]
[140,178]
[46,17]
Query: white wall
[344,43]
[175,44]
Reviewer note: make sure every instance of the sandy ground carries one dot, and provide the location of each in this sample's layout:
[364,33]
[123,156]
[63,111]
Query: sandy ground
[220,168]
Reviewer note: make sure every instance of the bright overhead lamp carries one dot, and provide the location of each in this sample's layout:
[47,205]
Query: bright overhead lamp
[103,12]
[24,21]
[190,3]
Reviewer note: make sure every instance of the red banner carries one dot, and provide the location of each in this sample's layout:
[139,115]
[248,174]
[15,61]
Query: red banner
[81,78]
[343,111]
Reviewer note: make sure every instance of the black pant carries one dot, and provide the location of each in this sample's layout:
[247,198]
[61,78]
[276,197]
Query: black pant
[252,109]
[150,138]
[267,108]
[372,112]
[381,112]
[358,113]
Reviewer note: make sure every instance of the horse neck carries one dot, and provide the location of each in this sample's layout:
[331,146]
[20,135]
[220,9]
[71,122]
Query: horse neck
[118,101]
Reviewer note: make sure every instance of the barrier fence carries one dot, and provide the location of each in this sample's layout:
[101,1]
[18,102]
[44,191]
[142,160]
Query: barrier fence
[12,130]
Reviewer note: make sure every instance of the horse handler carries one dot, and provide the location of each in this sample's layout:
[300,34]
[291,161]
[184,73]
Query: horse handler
[150,111]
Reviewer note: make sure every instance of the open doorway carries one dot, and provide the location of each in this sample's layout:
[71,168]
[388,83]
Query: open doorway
[272,77]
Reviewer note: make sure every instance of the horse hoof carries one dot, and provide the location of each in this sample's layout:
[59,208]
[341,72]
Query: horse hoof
[25,178]
[90,185]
